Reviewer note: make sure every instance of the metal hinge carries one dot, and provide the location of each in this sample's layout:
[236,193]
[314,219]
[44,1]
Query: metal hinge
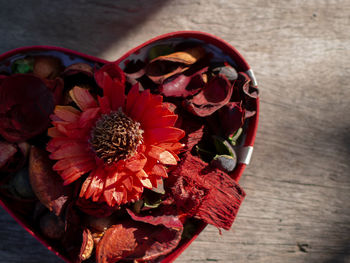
[245,154]
[251,75]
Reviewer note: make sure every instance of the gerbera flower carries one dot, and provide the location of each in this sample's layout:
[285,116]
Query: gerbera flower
[123,143]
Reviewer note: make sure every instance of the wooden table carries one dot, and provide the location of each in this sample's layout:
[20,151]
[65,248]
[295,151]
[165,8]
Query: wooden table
[298,184]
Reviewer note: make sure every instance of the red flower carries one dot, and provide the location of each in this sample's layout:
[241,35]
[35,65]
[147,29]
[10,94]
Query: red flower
[122,142]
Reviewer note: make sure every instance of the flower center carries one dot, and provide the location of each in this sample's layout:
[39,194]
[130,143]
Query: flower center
[115,137]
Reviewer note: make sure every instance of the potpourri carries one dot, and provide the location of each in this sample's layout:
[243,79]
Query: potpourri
[111,164]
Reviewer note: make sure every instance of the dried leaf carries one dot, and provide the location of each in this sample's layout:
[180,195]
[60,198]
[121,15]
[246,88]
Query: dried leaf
[23,65]
[117,243]
[159,50]
[164,67]
[47,184]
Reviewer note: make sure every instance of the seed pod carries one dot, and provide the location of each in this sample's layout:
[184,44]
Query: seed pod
[22,185]
[52,226]
[100,224]
[47,67]
[225,163]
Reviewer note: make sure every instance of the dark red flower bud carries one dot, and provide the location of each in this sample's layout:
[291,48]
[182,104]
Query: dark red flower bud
[25,106]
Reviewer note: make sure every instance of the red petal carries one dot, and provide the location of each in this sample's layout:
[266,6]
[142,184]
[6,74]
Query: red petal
[104,104]
[167,134]
[114,90]
[140,105]
[88,116]
[136,163]
[67,113]
[96,186]
[132,95]
[57,142]
[77,170]
[112,70]
[159,171]
[53,132]
[171,146]
[82,98]
[71,150]
[64,164]
[143,178]
[163,121]
[162,155]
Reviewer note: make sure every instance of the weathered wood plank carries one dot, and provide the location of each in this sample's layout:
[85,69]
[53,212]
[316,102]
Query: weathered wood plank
[298,184]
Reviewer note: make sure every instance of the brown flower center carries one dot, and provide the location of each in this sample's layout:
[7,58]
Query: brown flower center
[115,137]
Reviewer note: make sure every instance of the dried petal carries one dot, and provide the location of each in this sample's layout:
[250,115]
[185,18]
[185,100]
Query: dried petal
[213,96]
[183,85]
[168,221]
[136,241]
[231,118]
[113,71]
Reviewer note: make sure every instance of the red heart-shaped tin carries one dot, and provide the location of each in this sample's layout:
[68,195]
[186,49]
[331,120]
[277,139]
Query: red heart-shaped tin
[218,47]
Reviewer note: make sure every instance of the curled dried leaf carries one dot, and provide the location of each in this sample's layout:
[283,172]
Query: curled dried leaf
[166,66]
[47,184]
[13,156]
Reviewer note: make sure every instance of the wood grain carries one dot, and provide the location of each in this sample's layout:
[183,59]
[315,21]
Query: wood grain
[298,184]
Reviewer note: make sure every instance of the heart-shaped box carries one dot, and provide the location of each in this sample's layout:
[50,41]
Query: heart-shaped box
[217,46]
